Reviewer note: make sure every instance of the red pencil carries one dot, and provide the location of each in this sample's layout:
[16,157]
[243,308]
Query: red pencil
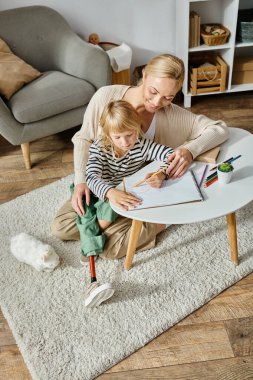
[211,181]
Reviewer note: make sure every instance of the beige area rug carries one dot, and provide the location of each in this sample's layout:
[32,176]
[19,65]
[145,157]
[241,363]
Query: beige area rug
[59,338]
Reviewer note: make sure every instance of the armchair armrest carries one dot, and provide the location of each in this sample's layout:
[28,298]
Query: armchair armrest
[83,60]
[10,129]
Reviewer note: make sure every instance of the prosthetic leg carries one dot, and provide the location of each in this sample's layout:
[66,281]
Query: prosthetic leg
[93,239]
[96,292]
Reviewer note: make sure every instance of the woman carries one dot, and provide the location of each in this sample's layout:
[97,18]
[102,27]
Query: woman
[163,122]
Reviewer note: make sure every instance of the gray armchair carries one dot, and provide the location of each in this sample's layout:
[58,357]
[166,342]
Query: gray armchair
[72,72]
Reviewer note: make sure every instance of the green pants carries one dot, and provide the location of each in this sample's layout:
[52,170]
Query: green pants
[92,239]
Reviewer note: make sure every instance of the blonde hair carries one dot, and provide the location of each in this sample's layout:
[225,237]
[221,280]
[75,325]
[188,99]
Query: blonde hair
[166,66]
[117,117]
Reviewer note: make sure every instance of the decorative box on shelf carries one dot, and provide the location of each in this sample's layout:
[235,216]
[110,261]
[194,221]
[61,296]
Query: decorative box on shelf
[244,32]
[207,73]
[214,34]
[243,70]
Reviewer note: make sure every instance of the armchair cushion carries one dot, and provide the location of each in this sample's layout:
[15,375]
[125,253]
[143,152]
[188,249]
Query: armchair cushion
[14,72]
[51,94]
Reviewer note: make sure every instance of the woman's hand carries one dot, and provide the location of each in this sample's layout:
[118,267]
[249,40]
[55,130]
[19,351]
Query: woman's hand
[122,199]
[155,180]
[180,161]
[77,198]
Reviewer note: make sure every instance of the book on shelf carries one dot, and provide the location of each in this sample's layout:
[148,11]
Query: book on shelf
[191,30]
[197,28]
[194,29]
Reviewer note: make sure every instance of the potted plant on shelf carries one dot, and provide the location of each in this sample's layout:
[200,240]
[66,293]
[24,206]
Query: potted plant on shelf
[225,171]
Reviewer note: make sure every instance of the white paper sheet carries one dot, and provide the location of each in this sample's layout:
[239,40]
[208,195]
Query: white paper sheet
[181,190]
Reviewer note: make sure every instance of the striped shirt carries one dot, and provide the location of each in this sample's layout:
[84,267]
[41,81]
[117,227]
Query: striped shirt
[105,171]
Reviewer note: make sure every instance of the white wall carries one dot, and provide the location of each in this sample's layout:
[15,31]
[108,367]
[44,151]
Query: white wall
[148,26]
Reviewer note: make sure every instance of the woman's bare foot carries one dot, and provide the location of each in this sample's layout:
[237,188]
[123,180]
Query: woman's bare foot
[160,228]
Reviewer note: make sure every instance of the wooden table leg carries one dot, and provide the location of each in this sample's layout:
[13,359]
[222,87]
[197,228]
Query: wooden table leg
[231,222]
[133,239]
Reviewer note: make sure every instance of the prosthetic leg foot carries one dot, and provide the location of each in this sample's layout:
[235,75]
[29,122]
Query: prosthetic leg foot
[96,292]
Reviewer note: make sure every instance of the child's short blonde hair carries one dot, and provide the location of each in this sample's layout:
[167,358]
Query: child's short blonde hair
[117,117]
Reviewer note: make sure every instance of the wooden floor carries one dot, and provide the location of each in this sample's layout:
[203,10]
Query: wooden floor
[215,342]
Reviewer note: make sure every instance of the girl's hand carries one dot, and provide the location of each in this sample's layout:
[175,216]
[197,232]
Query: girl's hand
[155,180]
[77,198]
[180,161]
[122,199]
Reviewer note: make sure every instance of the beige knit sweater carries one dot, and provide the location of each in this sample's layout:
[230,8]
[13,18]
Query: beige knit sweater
[175,126]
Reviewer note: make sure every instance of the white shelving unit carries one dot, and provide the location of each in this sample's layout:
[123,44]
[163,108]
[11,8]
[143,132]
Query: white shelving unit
[212,11]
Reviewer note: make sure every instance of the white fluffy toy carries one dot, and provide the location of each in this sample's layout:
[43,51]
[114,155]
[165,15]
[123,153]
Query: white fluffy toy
[29,250]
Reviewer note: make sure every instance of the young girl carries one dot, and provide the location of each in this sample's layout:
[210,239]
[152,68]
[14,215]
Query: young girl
[120,152]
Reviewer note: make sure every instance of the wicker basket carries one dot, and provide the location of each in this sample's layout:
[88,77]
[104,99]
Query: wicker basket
[211,39]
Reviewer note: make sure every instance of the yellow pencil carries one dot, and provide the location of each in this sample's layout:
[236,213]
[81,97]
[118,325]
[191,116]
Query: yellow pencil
[144,180]
[124,185]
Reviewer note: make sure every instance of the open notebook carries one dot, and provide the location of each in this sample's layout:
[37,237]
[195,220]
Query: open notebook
[181,190]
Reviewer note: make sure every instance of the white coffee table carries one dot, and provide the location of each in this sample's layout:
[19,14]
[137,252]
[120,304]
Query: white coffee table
[218,200]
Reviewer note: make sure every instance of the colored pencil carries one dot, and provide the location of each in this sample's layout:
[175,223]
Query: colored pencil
[215,167]
[211,176]
[124,185]
[229,161]
[214,176]
[203,176]
[211,181]
[234,158]
[144,180]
